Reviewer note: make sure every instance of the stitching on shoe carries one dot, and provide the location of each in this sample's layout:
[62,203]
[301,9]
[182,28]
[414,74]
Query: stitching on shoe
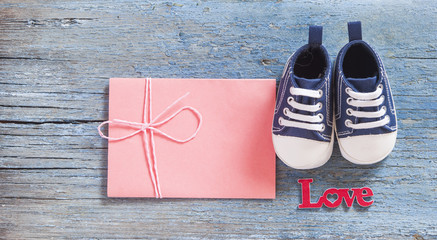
[346,132]
[285,75]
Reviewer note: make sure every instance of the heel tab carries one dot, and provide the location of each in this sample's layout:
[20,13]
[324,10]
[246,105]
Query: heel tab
[315,35]
[354,29]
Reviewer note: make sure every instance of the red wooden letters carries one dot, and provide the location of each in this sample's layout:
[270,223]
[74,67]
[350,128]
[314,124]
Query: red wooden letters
[342,193]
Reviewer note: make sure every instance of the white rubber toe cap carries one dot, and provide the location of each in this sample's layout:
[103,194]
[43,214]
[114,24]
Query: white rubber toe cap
[367,149]
[301,153]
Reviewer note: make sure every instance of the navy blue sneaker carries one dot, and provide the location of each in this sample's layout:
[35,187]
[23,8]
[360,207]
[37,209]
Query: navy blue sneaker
[364,109]
[303,121]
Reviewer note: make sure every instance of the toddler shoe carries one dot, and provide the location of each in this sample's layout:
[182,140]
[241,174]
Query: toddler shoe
[302,126]
[364,109]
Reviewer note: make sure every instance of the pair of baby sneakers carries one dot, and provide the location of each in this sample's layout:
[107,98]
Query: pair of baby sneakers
[353,100]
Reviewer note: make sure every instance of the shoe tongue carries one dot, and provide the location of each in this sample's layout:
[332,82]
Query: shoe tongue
[307,83]
[363,84]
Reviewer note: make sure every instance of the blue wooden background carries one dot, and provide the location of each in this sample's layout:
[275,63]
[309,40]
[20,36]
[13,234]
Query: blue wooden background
[55,61]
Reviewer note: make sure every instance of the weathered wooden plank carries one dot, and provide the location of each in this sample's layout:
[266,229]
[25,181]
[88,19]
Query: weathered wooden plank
[214,220]
[238,218]
[78,145]
[55,61]
[81,110]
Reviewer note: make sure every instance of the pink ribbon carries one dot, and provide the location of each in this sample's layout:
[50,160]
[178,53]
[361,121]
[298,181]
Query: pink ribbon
[149,127]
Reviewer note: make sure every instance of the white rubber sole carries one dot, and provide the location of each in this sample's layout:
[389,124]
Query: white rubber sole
[301,153]
[367,149]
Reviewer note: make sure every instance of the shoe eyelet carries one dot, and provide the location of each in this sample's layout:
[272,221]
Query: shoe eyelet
[320,116]
[349,100]
[349,112]
[320,93]
[383,98]
[290,99]
[347,123]
[323,128]
[384,108]
[348,89]
[388,118]
[291,90]
[286,111]
[380,86]
[320,105]
[280,121]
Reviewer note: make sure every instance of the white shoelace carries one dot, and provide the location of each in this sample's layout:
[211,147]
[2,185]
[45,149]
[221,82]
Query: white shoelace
[309,122]
[371,99]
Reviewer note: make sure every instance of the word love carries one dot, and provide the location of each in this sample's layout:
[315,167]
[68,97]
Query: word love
[342,194]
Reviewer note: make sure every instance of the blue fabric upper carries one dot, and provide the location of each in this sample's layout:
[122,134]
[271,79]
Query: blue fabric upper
[322,82]
[344,77]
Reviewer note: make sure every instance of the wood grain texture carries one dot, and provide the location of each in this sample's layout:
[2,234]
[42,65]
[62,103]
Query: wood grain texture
[55,62]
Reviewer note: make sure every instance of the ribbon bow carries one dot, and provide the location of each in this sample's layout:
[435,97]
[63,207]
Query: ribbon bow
[150,126]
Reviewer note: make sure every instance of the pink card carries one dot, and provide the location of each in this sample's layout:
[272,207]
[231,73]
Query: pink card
[231,156]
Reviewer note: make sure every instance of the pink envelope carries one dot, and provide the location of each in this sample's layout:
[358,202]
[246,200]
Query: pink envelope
[231,156]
